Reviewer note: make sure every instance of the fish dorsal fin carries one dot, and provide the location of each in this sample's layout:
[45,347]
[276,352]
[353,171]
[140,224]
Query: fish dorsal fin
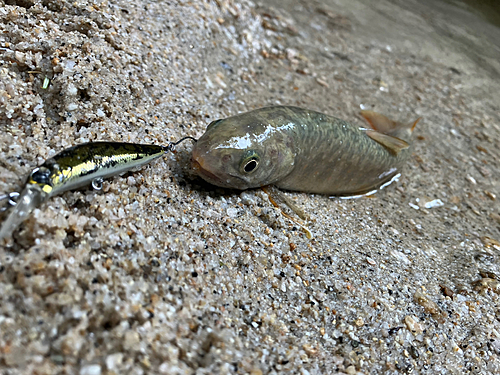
[382,124]
[392,144]
[379,122]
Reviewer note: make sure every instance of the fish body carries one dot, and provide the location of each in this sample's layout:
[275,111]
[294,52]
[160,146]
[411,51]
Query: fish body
[75,167]
[301,150]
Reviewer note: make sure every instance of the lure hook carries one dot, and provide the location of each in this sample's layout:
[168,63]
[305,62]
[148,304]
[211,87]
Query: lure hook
[11,200]
[171,145]
[97,183]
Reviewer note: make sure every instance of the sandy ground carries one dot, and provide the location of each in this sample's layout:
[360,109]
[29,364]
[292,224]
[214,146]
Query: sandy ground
[161,273]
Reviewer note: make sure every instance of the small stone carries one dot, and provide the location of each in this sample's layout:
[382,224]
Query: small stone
[446,291]
[310,350]
[90,370]
[429,306]
[471,179]
[495,217]
[71,106]
[72,89]
[400,256]
[113,361]
[351,370]
[490,195]
[322,82]
[414,352]
[232,212]
[413,325]
[371,261]
[283,287]
[131,340]
[20,57]
[434,203]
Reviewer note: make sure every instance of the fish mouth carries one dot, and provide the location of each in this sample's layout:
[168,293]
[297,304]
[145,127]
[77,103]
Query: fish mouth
[205,174]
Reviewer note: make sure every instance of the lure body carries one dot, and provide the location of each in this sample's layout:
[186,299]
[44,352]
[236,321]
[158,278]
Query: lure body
[75,167]
[79,165]
[301,150]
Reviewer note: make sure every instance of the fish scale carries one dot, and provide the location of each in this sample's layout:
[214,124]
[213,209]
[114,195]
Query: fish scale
[336,157]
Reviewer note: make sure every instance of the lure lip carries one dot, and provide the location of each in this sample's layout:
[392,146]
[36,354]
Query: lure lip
[31,197]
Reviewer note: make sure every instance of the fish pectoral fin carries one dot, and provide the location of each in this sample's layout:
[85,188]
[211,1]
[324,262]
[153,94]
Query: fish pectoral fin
[415,124]
[277,199]
[393,144]
[379,122]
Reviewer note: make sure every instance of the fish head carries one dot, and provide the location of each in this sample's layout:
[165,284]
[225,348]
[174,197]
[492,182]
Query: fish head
[243,152]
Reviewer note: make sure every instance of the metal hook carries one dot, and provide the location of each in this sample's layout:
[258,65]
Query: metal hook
[97,183]
[11,200]
[171,145]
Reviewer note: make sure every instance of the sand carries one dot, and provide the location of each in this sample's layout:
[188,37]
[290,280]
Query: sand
[162,273]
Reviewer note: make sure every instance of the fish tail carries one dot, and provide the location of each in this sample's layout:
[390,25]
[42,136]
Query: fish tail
[393,135]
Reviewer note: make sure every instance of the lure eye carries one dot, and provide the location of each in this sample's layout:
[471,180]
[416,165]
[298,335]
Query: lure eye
[250,163]
[41,176]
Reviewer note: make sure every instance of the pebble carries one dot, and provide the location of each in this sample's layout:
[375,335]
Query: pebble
[170,275]
[90,370]
[114,361]
[434,203]
[413,325]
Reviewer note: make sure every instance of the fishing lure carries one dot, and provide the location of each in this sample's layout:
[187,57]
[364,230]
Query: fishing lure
[75,167]
[302,150]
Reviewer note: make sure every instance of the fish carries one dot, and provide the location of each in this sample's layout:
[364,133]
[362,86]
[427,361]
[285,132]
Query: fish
[75,167]
[302,150]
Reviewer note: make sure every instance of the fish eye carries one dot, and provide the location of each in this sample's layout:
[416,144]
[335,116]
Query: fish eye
[250,166]
[250,163]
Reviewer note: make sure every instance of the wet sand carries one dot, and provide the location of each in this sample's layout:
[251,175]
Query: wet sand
[162,273]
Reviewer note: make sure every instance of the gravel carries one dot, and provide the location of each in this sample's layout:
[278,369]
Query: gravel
[162,273]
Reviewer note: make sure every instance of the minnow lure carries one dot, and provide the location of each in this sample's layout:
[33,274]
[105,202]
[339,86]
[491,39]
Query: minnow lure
[75,167]
[298,149]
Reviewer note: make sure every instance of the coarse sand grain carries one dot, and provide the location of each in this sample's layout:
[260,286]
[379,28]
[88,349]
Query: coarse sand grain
[161,273]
